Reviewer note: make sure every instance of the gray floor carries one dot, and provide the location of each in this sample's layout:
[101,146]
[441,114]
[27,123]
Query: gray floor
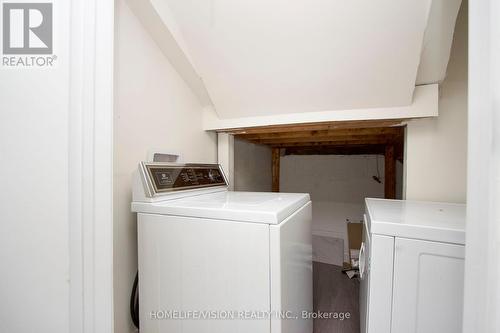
[335,292]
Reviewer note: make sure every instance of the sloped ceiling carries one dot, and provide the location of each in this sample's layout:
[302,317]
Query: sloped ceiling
[437,42]
[272,57]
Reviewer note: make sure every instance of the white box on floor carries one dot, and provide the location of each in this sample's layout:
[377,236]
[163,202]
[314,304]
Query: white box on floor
[328,250]
[412,267]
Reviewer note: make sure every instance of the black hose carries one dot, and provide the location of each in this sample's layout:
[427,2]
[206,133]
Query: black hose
[134,302]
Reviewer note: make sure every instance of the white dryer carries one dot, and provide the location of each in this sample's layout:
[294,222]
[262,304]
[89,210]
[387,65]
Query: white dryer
[213,260]
[412,267]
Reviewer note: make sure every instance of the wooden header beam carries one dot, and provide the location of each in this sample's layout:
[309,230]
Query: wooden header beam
[337,150]
[331,143]
[331,125]
[366,139]
[329,137]
[346,132]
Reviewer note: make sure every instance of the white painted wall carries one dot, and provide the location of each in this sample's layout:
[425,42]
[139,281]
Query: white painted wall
[34,228]
[154,109]
[157,19]
[252,167]
[225,156]
[436,149]
[337,184]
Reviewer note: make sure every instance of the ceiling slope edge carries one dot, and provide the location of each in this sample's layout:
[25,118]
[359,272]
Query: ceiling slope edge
[438,39]
[157,19]
[424,104]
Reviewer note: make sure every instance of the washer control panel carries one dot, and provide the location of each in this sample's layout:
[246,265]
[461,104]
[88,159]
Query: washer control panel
[167,177]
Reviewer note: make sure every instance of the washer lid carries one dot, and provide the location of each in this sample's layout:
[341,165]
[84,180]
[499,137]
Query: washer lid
[258,207]
[433,221]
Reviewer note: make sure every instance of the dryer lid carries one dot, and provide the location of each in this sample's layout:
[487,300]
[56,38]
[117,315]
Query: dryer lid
[433,221]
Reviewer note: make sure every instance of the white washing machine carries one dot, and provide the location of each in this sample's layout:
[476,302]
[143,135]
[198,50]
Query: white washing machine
[213,260]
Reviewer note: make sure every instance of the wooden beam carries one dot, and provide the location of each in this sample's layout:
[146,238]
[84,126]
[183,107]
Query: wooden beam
[335,125]
[276,169]
[346,132]
[337,150]
[399,148]
[347,138]
[332,143]
[390,173]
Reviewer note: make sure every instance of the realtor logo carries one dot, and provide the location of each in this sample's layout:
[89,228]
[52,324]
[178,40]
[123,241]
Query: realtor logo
[27,37]
[27,28]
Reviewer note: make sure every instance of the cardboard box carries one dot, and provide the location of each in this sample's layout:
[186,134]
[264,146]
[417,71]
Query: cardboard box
[354,237]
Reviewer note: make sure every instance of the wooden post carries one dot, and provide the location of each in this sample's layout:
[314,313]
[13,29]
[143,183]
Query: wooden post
[390,173]
[276,169]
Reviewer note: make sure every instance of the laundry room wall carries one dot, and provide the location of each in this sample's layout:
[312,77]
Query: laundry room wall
[252,167]
[338,185]
[436,149]
[154,111]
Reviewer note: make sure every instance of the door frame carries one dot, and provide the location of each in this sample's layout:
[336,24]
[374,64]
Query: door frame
[482,263]
[90,199]
[91,167]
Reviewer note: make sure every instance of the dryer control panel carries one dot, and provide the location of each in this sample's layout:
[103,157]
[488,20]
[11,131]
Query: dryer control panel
[167,177]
